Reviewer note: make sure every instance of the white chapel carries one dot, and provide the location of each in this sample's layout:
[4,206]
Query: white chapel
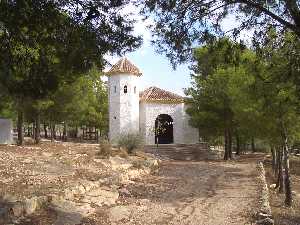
[155,114]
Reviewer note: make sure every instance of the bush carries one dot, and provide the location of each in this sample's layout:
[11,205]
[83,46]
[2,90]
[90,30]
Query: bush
[130,142]
[105,149]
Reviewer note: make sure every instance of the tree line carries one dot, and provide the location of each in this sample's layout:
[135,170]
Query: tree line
[51,58]
[242,93]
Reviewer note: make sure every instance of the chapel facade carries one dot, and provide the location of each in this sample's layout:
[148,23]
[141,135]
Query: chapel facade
[157,115]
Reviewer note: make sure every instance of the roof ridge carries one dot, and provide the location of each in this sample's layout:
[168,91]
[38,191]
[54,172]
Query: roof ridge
[124,66]
[157,94]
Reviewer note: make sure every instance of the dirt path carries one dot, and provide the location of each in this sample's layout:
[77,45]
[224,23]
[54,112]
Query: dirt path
[194,193]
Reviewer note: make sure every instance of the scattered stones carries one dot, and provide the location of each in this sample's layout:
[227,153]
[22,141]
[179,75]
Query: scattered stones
[76,183]
[124,192]
[264,215]
[266,221]
[118,163]
[119,213]
[102,196]
[18,209]
[273,186]
[33,204]
[69,212]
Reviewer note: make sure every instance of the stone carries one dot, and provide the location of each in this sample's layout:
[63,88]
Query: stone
[266,221]
[151,163]
[124,192]
[9,198]
[118,163]
[102,196]
[69,212]
[33,204]
[18,209]
[47,154]
[119,213]
[262,215]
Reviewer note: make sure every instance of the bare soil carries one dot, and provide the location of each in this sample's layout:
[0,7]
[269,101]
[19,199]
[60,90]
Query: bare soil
[205,192]
[182,192]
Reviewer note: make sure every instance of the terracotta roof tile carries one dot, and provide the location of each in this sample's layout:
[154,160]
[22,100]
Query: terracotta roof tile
[124,66]
[155,94]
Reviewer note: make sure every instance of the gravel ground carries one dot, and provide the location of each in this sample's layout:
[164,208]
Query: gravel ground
[181,192]
[195,193]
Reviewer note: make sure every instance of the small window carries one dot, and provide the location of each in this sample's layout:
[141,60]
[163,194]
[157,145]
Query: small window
[134,89]
[115,89]
[125,89]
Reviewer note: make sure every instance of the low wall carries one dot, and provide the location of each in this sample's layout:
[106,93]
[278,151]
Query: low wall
[6,127]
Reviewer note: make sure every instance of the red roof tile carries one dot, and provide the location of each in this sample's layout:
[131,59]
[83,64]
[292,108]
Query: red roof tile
[124,66]
[155,94]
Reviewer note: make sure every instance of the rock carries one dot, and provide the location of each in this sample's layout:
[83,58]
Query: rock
[262,215]
[9,198]
[69,212]
[18,209]
[151,163]
[118,163]
[273,186]
[47,154]
[266,221]
[124,192]
[102,196]
[119,213]
[138,173]
[33,204]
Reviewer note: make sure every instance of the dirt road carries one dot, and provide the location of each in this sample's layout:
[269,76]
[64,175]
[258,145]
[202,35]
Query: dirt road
[194,193]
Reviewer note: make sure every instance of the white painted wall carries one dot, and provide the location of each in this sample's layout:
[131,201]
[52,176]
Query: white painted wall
[6,127]
[182,131]
[123,107]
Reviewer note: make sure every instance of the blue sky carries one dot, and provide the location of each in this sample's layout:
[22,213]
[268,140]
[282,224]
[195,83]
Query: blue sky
[157,70]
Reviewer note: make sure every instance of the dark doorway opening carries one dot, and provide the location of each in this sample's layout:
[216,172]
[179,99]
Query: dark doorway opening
[164,129]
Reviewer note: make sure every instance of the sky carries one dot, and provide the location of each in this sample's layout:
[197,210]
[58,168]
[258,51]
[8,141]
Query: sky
[156,68]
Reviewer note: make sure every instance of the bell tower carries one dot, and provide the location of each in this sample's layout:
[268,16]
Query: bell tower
[123,99]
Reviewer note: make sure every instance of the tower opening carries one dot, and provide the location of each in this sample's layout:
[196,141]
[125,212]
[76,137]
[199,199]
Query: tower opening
[125,89]
[164,129]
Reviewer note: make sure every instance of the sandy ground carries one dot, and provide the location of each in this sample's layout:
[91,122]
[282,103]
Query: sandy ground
[194,193]
[182,192]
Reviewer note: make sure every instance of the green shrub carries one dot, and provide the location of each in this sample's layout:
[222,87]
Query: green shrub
[105,149]
[130,142]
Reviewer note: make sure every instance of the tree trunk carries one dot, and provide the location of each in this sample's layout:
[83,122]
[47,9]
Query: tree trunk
[253,144]
[45,130]
[280,172]
[273,151]
[65,132]
[226,152]
[76,132]
[53,132]
[37,132]
[229,143]
[20,127]
[287,180]
[238,144]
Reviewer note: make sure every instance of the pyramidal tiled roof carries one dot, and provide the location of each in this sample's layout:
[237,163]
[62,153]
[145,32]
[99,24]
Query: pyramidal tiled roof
[124,66]
[155,94]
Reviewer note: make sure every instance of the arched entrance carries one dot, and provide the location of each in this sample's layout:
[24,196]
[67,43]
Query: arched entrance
[164,129]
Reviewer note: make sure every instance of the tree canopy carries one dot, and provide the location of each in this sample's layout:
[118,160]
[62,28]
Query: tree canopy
[180,24]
